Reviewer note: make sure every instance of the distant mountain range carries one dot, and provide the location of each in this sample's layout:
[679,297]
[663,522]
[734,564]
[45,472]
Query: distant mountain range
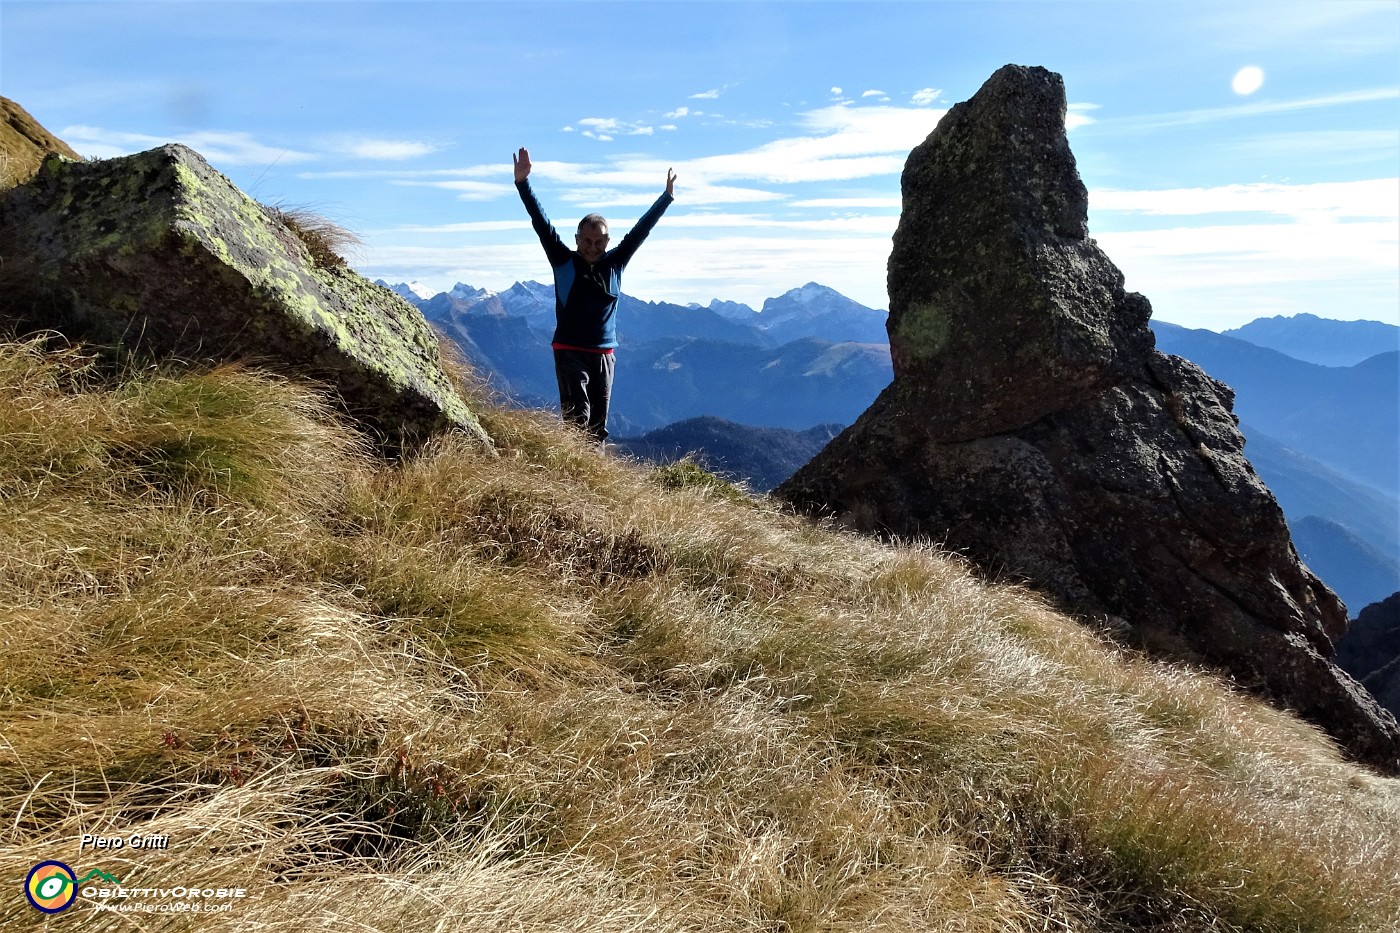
[1319,340]
[811,356]
[1346,417]
[755,394]
[760,458]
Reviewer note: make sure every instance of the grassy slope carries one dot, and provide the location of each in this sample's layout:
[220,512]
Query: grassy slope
[548,690]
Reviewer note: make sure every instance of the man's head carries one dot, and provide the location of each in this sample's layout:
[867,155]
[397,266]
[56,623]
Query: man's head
[592,237]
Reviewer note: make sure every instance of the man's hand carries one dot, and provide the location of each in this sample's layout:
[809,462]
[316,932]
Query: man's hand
[522,164]
[670,181]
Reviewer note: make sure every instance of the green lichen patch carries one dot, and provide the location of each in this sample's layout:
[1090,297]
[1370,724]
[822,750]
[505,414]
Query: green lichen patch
[923,330]
[160,255]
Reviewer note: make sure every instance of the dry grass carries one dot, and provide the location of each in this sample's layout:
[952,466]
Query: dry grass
[325,240]
[547,690]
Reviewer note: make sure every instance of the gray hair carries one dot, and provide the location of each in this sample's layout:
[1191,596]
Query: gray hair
[591,220]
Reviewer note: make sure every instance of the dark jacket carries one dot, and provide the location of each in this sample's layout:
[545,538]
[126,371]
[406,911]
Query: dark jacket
[585,297]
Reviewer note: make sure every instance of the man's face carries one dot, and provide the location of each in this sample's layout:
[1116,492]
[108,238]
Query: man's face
[592,240]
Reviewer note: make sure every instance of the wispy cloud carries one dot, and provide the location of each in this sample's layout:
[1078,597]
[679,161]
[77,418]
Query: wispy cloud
[712,94]
[926,96]
[474,226]
[881,225]
[840,203]
[1077,115]
[1376,198]
[679,267]
[1226,275]
[607,129]
[695,195]
[470,171]
[219,148]
[466,190]
[1337,147]
[1256,108]
[388,150]
[1236,252]
[840,144]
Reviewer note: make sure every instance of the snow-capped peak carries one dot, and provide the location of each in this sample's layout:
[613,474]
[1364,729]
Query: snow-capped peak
[467,292]
[812,292]
[413,291]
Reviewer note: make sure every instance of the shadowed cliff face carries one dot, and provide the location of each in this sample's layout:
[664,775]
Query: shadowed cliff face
[1032,425]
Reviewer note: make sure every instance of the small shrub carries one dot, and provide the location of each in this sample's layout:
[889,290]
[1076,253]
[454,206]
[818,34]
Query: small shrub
[687,474]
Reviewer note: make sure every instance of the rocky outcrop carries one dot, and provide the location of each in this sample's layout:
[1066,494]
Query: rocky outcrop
[24,144]
[1032,425]
[1370,651]
[157,255]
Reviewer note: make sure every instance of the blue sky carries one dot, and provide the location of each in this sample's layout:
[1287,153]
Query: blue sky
[1242,158]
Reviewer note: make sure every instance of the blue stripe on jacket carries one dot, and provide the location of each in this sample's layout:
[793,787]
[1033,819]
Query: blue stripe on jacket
[585,296]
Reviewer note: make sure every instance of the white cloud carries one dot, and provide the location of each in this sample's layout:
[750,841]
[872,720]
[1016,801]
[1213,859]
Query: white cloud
[843,143]
[1376,198]
[1227,275]
[1266,249]
[219,148]
[471,171]
[1212,114]
[475,226]
[693,195]
[839,203]
[606,129]
[836,92]
[384,149]
[677,113]
[877,225]
[1077,115]
[1337,146]
[466,190]
[926,96]
[875,94]
[711,94]
[676,268]
[600,124]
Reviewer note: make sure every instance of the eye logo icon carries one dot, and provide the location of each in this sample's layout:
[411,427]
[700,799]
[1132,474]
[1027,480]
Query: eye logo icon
[51,887]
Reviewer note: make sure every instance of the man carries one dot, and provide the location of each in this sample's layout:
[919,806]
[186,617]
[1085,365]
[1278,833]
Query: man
[587,284]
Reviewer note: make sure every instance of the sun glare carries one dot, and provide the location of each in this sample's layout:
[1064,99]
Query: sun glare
[1248,80]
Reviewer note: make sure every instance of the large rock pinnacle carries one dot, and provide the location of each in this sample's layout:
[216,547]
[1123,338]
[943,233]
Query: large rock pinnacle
[1033,426]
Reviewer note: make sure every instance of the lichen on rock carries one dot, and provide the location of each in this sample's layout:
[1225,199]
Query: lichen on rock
[160,256]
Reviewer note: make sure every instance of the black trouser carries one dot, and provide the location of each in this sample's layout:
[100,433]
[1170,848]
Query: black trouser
[585,388]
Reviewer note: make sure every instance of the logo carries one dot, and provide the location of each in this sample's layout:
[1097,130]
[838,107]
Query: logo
[51,887]
[100,876]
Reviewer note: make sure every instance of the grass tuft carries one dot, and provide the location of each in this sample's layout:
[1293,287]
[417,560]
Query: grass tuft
[324,240]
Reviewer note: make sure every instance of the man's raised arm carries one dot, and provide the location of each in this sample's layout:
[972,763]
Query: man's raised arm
[554,247]
[638,233]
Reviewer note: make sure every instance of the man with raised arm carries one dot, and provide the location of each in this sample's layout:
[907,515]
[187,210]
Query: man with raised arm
[587,284]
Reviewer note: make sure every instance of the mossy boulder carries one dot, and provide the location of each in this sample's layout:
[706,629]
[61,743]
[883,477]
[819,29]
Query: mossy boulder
[1033,426]
[158,256]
